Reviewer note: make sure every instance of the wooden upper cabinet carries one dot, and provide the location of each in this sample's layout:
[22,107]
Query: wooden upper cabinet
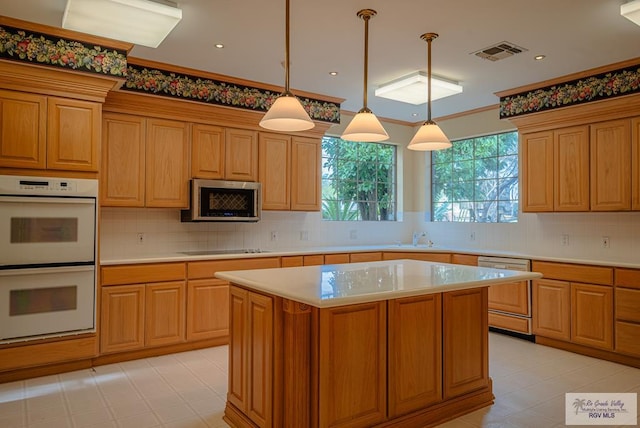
[167,163]
[207,151]
[306,158]
[611,166]
[635,164]
[537,172]
[241,155]
[571,169]
[23,130]
[73,134]
[274,171]
[123,168]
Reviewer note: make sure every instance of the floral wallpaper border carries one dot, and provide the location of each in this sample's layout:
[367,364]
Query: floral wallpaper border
[611,84]
[194,88]
[44,49]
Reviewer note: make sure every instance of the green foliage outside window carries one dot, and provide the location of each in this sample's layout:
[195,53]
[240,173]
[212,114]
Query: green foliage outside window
[358,180]
[476,180]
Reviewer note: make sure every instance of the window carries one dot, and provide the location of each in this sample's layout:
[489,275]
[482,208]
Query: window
[476,180]
[358,180]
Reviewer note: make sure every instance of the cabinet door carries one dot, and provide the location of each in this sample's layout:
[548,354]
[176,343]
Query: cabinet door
[207,309]
[73,134]
[275,171]
[241,155]
[512,297]
[552,309]
[165,313]
[571,169]
[592,315]
[122,318]
[465,341]
[306,157]
[415,354]
[207,151]
[238,353]
[353,365]
[635,164]
[167,164]
[122,174]
[537,172]
[23,130]
[611,166]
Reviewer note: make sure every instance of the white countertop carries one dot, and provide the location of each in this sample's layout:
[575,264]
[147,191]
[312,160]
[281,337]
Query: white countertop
[344,284]
[181,257]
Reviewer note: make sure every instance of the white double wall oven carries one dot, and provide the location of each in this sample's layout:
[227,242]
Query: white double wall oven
[48,229]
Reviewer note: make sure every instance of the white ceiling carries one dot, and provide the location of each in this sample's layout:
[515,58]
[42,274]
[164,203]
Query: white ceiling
[326,35]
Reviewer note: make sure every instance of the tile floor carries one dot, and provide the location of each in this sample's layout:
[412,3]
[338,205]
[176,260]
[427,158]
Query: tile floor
[187,390]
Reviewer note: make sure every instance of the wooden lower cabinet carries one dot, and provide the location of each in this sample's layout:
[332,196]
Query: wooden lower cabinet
[141,315]
[627,310]
[414,361]
[352,388]
[365,257]
[552,309]
[592,315]
[251,351]
[164,313]
[415,355]
[466,342]
[122,318]
[427,257]
[512,297]
[207,309]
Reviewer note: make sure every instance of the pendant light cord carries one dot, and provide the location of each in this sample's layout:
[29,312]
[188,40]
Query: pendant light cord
[366,15]
[286,50]
[429,37]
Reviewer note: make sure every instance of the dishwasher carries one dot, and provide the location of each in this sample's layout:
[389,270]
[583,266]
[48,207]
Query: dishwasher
[510,303]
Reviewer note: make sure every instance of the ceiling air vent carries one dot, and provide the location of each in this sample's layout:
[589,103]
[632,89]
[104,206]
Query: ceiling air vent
[499,51]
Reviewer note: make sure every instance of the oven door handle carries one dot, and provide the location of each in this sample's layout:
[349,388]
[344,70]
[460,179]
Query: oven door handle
[47,270]
[47,200]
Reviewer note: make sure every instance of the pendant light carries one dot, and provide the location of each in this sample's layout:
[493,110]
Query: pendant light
[365,126]
[286,114]
[429,136]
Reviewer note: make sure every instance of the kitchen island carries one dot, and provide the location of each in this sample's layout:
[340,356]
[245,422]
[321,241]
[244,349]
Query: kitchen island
[394,343]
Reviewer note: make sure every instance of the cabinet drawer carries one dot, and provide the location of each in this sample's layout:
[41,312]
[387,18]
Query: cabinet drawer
[207,269]
[138,274]
[520,325]
[332,259]
[365,257]
[628,304]
[628,338]
[628,277]
[574,273]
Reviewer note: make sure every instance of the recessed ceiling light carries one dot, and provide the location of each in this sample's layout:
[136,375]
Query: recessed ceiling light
[414,114]
[539,57]
[219,45]
[333,73]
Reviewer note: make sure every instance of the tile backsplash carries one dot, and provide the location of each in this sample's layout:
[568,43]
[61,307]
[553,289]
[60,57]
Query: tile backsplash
[534,234]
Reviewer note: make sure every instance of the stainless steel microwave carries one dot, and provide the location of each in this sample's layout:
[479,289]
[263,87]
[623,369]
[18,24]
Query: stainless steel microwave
[220,200]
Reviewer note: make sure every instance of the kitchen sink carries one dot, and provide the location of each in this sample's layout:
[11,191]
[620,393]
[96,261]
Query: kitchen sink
[218,252]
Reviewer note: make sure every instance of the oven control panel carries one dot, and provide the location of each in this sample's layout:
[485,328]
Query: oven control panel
[47,185]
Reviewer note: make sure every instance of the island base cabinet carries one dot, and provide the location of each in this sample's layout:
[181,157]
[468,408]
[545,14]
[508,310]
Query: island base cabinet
[353,365]
[408,362]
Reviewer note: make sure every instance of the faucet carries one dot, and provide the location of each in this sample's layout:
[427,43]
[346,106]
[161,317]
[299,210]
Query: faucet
[416,237]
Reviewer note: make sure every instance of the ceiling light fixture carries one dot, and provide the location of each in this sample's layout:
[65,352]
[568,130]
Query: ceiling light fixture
[412,89]
[429,136]
[365,126]
[143,22]
[287,114]
[631,11]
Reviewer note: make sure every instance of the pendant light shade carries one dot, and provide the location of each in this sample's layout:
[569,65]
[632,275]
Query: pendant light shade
[287,114]
[429,136]
[365,126]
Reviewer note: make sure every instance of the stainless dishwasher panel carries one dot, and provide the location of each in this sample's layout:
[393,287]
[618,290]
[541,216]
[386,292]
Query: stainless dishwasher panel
[504,318]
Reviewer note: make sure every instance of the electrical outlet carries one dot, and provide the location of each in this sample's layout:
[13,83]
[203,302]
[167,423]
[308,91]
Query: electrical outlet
[565,240]
[353,234]
[140,238]
[274,235]
[605,242]
[304,235]
[472,236]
